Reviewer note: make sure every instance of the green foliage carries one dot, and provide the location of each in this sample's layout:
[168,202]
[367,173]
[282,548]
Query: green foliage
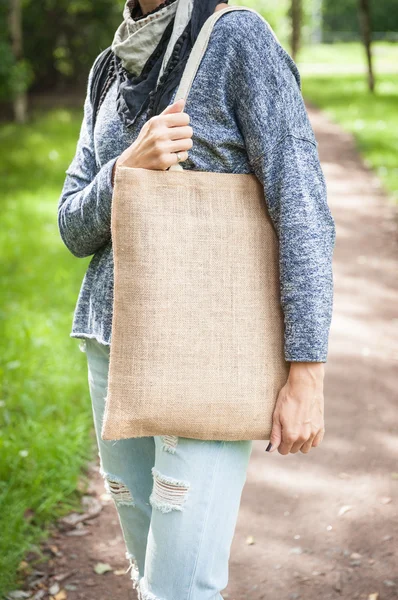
[342,15]
[61,40]
[338,86]
[45,414]
[66,52]
[278,16]
[20,77]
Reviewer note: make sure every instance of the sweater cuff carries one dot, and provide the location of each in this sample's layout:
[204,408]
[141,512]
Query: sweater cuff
[105,176]
[306,342]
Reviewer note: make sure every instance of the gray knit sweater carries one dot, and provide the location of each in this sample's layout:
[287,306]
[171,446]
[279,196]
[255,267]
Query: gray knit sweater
[248,116]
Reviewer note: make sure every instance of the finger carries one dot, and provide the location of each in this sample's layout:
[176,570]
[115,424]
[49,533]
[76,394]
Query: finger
[298,445]
[318,438]
[284,448]
[177,119]
[303,438]
[177,145]
[174,107]
[184,156]
[179,133]
[287,442]
[276,434]
[306,447]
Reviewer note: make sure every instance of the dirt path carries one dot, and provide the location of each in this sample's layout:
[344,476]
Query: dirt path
[324,525]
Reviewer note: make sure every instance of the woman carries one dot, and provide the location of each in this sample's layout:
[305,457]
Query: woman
[178,498]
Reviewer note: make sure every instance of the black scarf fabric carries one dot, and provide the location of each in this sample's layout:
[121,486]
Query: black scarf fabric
[137,93]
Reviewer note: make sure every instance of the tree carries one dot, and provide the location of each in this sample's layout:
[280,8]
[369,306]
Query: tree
[366,31]
[296,13]
[20,102]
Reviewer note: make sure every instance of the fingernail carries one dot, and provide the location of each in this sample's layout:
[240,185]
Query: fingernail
[268,448]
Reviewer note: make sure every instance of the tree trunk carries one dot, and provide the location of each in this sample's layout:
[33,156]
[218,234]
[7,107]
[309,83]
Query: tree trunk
[296,17]
[15,24]
[366,31]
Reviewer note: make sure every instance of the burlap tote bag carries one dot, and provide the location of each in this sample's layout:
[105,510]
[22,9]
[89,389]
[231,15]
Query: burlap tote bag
[197,330]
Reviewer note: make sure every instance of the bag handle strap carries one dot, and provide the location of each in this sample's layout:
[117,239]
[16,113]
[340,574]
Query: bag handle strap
[196,55]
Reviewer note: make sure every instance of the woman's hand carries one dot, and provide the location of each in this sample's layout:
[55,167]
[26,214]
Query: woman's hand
[298,418]
[159,139]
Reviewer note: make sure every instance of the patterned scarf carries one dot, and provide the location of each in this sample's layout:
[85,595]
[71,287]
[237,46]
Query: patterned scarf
[150,53]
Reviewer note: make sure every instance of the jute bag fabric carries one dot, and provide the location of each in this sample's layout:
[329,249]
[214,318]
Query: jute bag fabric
[197,330]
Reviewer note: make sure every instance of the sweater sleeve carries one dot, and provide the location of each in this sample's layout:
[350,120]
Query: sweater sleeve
[281,146]
[84,207]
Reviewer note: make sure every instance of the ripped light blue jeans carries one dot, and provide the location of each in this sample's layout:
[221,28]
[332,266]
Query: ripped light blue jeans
[177,499]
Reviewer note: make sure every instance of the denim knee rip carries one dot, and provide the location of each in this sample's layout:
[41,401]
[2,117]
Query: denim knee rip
[118,490]
[169,443]
[168,493]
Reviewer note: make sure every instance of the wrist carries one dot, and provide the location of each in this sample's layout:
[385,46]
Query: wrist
[306,371]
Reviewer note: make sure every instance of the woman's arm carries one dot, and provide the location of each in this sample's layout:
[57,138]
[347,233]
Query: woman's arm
[265,88]
[84,207]
[84,210]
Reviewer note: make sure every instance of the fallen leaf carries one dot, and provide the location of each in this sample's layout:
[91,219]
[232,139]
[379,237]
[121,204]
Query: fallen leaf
[105,497]
[389,583]
[250,540]
[385,500]
[54,589]
[77,532]
[355,563]
[394,475]
[62,595]
[36,583]
[92,505]
[63,576]
[344,509]
[355,556]
[23,565]
[119,572]
[18,595]
[374,596]
[101,568]
[296,550]
[94,508]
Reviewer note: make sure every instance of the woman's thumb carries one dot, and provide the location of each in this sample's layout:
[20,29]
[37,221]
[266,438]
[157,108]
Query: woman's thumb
[276,435]
[175,107]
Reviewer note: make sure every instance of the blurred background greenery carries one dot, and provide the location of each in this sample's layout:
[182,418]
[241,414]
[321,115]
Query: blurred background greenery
[347,52]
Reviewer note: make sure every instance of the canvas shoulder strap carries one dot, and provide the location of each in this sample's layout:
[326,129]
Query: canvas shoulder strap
[196,55]
[199,49]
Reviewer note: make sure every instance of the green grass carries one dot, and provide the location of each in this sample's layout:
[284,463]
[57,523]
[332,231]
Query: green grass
[341,91]
[45,414]
[348,56]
